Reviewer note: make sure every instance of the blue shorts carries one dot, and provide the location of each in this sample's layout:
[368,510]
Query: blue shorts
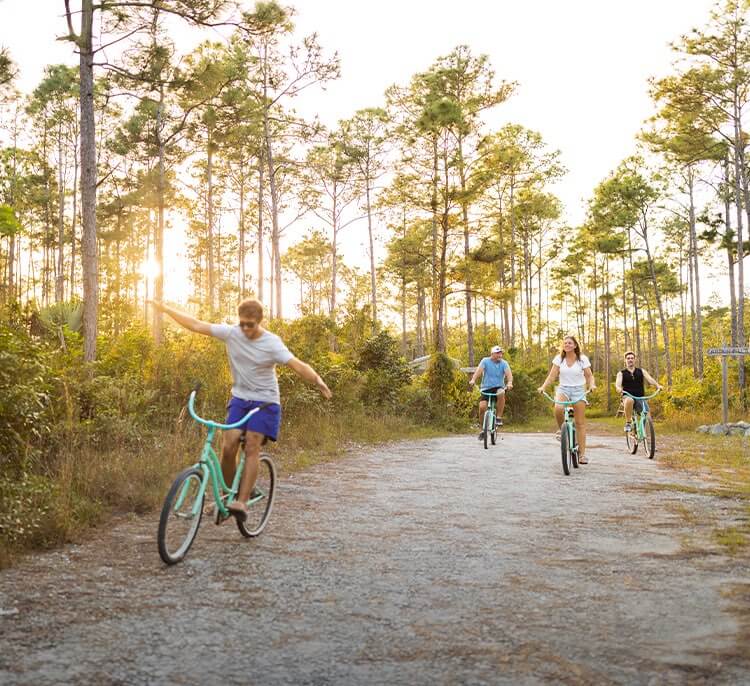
[265,421]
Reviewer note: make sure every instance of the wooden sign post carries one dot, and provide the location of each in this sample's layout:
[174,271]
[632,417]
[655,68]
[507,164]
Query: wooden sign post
[727,351]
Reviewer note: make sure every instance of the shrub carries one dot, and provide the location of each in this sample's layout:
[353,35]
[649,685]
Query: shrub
[25,382]
[385,371]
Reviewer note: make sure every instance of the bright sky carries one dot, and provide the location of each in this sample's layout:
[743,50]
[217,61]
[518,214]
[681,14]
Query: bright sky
[582,65]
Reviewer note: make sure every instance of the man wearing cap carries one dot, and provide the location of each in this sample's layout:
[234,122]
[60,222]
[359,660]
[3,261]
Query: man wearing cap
[496,378]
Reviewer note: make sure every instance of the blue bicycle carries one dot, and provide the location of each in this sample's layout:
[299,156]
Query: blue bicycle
[183,507]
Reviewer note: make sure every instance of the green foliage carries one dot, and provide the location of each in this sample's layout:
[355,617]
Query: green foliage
[24,395]
[523,402]
[59,315]
[441,396]
[9,224]
[385,371]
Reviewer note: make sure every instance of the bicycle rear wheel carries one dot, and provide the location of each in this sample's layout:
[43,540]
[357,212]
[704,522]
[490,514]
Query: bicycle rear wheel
[565,450]
[261,500]
[649,438]
[493,433]
[180,516]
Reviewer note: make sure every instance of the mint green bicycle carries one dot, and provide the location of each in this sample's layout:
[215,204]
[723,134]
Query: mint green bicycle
[569,449]
[642,430]
[183,507]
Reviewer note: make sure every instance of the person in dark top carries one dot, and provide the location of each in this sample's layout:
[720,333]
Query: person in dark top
[631,381]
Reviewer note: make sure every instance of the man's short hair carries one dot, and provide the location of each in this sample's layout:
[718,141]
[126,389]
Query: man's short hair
[630,352]
[251,307]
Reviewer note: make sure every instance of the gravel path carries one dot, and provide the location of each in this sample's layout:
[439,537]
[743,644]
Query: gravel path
[427,562]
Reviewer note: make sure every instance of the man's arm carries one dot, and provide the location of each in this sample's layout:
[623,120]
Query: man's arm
[508,377]
[651,379]
[310,375]
[183,319]
[618,382]
[479,371]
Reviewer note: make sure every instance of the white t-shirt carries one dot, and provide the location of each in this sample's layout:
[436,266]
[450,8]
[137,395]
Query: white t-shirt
[253,362]
[572,376]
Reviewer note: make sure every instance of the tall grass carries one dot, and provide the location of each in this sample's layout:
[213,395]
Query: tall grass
[87,484]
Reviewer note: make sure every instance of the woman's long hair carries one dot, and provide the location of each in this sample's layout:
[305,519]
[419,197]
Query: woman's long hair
[576,350]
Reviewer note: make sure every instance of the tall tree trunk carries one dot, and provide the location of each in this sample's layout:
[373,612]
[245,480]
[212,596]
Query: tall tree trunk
[60,266]
[740,184]
[659,306]
[729,241]
[696,275]
[89,260]
[435,299]
[275,229]
[157,322]
[467,278]
[373,291]
[444,225]
[242,273]
[261,171]
[210,248]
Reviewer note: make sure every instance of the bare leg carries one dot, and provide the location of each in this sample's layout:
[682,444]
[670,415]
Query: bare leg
[229,454]
[249,476]
[579,414]
[482,410]
[500,403]
[560,409]
[628,406]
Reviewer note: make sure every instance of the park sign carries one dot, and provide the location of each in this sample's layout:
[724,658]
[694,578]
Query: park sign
[733,351]
[727,351]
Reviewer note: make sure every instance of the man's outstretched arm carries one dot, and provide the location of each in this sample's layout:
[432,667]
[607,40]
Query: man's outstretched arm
[183,319]
[310,375]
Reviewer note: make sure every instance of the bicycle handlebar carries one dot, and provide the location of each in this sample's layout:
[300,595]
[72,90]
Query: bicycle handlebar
[563,402]
[641,397]
[217,425]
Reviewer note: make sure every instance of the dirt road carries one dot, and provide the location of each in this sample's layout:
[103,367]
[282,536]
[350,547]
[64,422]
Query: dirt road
[431,562]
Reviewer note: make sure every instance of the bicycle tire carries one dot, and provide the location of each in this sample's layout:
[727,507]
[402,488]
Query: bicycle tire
[485,428]
[631,438]
[493,434]
[178,525]
[565,450]
[261,502]
[649,439]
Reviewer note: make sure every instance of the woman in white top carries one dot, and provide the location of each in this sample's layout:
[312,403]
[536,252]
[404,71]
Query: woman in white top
[574,372]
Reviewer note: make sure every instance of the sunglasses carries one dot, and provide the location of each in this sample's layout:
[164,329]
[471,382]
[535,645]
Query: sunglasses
[248,325]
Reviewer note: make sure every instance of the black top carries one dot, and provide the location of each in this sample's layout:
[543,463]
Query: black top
[633,382]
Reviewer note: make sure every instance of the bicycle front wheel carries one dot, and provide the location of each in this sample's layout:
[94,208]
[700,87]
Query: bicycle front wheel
[565,451]
[180,516]
[631,439]
[486,428]
[649,438]
[261,500]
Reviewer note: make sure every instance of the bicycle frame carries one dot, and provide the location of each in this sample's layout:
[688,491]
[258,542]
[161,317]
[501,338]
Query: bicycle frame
[210,465]
[568,417]
[640,419]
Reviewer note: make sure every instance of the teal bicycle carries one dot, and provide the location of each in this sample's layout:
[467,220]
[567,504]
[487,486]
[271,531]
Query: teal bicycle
[642,427]
[569,449]
[183,507]
[489,424]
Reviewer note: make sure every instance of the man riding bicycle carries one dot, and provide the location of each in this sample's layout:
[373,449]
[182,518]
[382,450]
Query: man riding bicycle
[496,378]
[630,380]
[253,355]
